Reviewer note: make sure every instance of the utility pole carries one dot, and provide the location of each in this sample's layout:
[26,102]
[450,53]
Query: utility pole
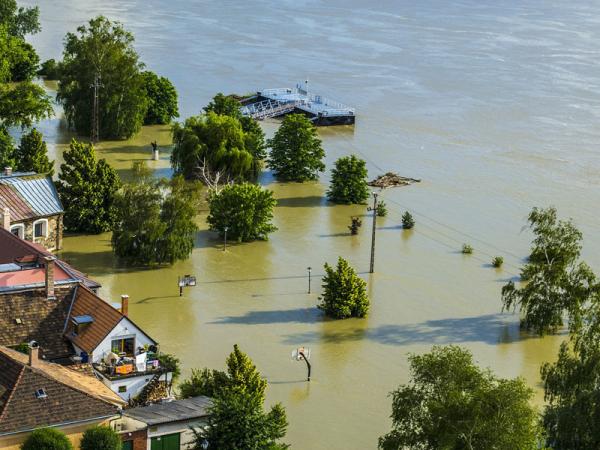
[374,209]
[95,135]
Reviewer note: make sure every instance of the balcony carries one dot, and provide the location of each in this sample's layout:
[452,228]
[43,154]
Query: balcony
[121,367]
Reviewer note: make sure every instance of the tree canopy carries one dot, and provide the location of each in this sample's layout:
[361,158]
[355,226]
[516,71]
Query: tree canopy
[33,154]
[105,49]
[19,21]
[224,105]
[100,438]
[245,209]
[555,282]
[162,99]
[349,181]
[450,403]
[87,188]
[47,439]
[7,149]
[344,292]
[153,226]
[296,152]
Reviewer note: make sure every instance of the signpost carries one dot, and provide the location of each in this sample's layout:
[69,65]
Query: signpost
[303,353]
[184,281]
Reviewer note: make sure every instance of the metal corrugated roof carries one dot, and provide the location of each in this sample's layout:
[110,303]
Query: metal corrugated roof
[11,199]
[38,191]
[175,411]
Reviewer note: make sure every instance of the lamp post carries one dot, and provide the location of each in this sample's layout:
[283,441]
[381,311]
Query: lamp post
[374,209]
[309,271]
[225,243]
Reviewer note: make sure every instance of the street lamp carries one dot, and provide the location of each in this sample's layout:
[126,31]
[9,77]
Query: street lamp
[309,270]
[225,246]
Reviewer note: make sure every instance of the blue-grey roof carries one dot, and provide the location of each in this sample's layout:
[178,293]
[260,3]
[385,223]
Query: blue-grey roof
[38,191]
[80,320]
[167,412]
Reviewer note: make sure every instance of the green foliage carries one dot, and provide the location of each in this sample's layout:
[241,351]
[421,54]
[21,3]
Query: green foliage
[497,261]
[224,105]
[237,421]
[100,438]
[50,70]
[381,209]
[349,181]
[23,104]
[23,61]
[344,292]
[47,439]
[19,21]
[162,99]
[153,228]
[296,152]
[408,222]
[555,281]
[87,189]
[33,154]
[205,381]
[452,404]
[467,249]
[246,209]
[7,149]
[216,141]
[171,363]
[103,48]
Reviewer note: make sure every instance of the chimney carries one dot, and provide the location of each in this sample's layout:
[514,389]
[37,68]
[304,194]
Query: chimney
[8,171]
[6,219]
[125,304]
[50,277]
[34,354]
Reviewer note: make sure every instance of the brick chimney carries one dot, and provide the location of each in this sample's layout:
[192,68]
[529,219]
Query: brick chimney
[125,304]
[50,277]
[8,171]
[6,219]
[34,354]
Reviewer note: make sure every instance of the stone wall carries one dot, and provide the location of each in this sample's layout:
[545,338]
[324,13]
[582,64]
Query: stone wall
[53,241]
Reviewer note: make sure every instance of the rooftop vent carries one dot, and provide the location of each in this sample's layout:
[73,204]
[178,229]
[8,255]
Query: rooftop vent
[41,393]
[18,321]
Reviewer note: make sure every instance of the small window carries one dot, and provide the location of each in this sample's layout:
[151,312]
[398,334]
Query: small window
[18,230]
[41,393]
[123,346]
[122,389]
[40,228]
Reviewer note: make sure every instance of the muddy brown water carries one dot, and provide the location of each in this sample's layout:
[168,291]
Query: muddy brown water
[493,104]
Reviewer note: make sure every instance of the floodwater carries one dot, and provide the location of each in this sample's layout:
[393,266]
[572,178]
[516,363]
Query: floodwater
[494,104]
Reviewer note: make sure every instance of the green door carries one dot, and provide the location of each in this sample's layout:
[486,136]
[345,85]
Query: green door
[166,442]
[127,445]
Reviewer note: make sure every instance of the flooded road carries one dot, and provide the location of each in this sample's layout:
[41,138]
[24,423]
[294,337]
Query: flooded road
[495,105]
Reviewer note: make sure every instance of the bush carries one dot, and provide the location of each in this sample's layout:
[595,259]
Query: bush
[50,70]
[497,261]
[47,439]
[467,249]
[100,438]
[245,209]
[349,181]
[407,221]
[381,209]
[344,293]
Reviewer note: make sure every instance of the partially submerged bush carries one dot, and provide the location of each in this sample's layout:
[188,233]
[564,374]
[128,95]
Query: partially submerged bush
[407,221]
[467,249]
[497,261]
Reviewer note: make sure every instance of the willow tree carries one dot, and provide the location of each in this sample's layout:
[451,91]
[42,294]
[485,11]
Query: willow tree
[102,51]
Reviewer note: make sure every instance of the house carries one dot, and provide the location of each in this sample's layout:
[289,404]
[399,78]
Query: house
[44,299]
[30,208]
[35,393]
[163,426]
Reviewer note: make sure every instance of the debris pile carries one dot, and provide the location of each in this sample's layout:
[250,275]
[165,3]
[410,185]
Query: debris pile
[391,179]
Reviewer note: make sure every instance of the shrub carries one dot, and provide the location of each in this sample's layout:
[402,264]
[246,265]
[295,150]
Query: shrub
[407,221]
[497,261]
[47,439]
[100,438]
[381,209]
[344,292]
[349,181]
[467,249]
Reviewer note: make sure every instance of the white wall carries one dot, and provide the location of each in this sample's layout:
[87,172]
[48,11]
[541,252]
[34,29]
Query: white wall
[187,439]
[124,329]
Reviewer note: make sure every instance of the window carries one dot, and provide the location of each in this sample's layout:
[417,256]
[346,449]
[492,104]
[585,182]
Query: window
[124,345]
[41,393]
[18,230]
[122,389]
[40,228]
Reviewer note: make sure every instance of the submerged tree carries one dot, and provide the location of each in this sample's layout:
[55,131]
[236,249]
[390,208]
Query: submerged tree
[162,99]
[555,281]
[296,152]
[103,51]
[344,292]
[246,210]
[349,181]
[87,188]
[33,154]
[408,222]
[23,104]
[452,404]
[224,105]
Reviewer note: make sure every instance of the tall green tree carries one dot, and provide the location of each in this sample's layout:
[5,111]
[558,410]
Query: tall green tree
[7,149]
[224,105]
[100,437]
[19,21]
[23,61]
[450,403]
[105,49]
[87,187]
[155,227]
[349,181]
[296,152]
[162,99]
[245,209]
[555,282]
[33,154]
[47,439]
[344,292]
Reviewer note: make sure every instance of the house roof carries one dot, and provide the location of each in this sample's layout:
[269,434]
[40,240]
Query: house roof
[29,195]
[175,411]
[70,396]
